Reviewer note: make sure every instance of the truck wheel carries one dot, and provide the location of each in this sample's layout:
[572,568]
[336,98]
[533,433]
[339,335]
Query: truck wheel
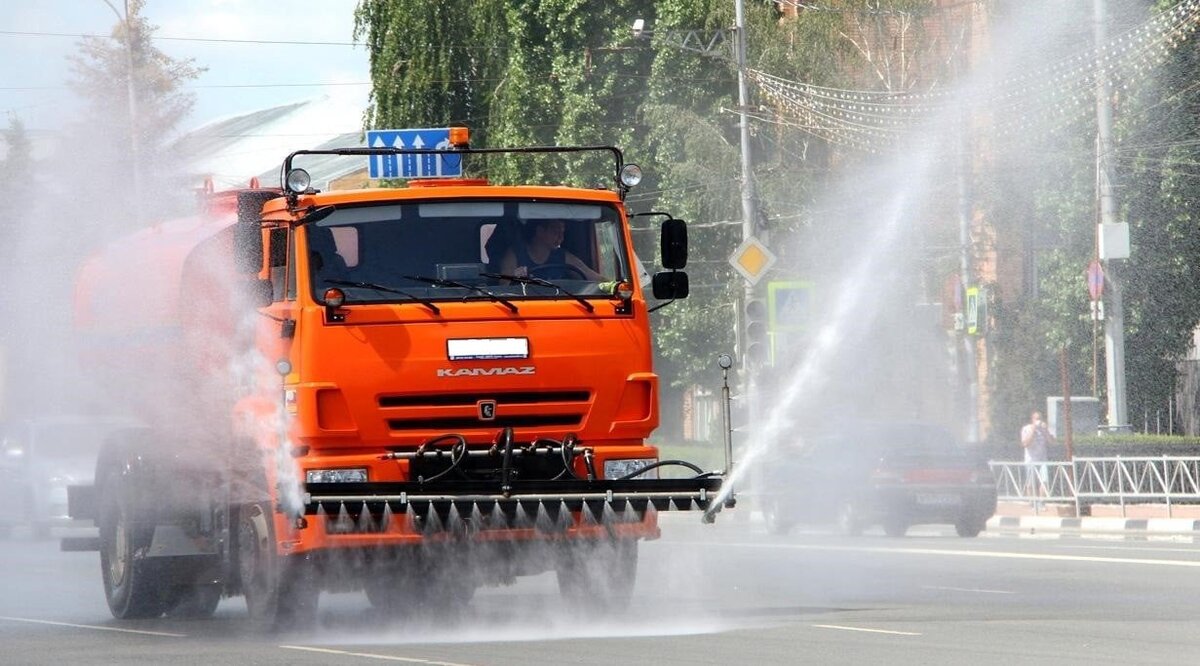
[281,592]
[598,575]
[194,602]
[132,583]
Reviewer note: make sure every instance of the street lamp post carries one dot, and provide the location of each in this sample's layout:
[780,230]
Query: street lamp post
[131,97]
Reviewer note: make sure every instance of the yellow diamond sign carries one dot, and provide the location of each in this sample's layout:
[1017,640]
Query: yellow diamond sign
[752,259]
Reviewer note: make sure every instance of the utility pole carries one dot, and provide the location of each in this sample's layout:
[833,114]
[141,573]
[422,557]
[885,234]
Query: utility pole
[749,213]
[1114,319]
[131,98]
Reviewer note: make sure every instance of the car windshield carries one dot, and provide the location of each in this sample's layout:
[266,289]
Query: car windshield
[465,249]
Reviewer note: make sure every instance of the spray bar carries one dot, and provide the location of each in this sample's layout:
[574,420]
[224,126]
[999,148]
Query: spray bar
[663,494]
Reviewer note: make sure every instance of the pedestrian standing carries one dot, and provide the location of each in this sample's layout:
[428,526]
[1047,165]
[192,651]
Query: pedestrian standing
[1035,441]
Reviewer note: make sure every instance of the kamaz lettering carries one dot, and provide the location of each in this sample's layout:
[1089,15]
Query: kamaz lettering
[485,372]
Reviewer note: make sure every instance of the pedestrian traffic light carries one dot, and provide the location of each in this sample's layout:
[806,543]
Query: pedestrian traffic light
[757,340]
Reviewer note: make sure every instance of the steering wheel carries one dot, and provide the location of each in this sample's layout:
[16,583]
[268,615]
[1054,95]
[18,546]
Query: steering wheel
[553,268]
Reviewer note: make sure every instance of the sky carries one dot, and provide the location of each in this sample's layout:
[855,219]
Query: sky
[241,77]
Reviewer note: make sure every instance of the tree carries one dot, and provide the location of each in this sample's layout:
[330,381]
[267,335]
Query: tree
[134,101]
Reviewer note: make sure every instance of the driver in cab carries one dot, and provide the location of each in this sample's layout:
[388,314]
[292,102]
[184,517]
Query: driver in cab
[541,254]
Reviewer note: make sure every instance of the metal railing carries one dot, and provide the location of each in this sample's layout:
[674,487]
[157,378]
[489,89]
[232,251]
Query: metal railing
[1169,480]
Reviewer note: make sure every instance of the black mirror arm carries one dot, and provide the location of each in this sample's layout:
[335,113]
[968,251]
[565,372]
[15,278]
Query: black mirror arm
[661,306]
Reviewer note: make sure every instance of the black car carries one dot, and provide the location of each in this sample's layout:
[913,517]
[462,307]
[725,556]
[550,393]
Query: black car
[890,474]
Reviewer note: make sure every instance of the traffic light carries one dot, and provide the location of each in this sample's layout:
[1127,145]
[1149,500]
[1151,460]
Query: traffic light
[757,340]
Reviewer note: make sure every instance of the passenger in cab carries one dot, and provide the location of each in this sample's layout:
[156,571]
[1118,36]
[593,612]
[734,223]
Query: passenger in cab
[541,254]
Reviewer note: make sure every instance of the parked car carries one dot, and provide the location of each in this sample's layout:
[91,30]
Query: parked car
[39,458]
[890,474]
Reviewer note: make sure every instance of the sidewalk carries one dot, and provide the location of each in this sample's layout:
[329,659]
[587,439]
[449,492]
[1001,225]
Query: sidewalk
[1138,519]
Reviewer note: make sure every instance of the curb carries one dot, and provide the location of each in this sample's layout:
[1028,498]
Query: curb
[1094,525]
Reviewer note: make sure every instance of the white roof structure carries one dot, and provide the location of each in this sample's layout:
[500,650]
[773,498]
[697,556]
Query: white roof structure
[233,150]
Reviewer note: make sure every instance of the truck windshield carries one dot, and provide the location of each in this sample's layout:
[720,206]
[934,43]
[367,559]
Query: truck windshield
[448,250]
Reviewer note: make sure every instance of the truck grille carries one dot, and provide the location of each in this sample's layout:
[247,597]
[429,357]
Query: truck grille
[470,399]
[453,412]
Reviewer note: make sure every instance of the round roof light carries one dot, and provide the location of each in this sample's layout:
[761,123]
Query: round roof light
[631,175]
[298,181]
[335,297]
[283,366]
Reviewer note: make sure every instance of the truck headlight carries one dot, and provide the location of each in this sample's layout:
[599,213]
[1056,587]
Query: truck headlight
[615,469]
[344,475]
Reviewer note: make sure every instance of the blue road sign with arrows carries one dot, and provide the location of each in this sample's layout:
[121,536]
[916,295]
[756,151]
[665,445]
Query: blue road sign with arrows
[413,165]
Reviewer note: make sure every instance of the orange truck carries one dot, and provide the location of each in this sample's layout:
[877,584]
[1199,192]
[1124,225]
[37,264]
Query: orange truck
[413,391]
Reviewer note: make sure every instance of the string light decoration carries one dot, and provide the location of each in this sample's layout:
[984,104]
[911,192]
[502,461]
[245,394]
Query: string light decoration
[1043,99]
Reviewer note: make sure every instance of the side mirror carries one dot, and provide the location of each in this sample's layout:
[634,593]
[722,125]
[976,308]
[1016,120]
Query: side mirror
[247,233]
[674,244]
[670,285]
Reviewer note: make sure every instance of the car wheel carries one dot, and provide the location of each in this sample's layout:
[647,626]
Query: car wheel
[969,526]
[849,519]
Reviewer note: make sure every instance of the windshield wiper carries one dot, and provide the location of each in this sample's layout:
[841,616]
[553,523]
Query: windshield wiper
[462,285]
[529,279]
[391,290]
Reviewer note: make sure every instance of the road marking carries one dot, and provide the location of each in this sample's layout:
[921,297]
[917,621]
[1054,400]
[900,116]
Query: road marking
[94,626]
[996,554]
[967,589]
[369,655]
[865,630]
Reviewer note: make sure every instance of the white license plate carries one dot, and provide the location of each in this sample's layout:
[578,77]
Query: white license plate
[939,499]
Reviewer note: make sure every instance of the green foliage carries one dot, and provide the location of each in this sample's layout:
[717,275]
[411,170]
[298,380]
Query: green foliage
[1136,445]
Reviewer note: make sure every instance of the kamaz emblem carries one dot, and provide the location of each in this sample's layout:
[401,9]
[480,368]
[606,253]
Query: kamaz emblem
[487,410]
[485,372]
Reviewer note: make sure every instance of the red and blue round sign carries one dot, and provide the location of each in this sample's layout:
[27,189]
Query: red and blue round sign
[1095,280]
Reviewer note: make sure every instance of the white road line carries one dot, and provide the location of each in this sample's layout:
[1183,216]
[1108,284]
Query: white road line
[967,589]
[865,630]
[997,554]
[369,655]
[94,626]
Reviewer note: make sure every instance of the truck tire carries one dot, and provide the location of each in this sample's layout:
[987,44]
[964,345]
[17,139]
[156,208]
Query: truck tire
[132,583]
[598,575]
[281,591]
